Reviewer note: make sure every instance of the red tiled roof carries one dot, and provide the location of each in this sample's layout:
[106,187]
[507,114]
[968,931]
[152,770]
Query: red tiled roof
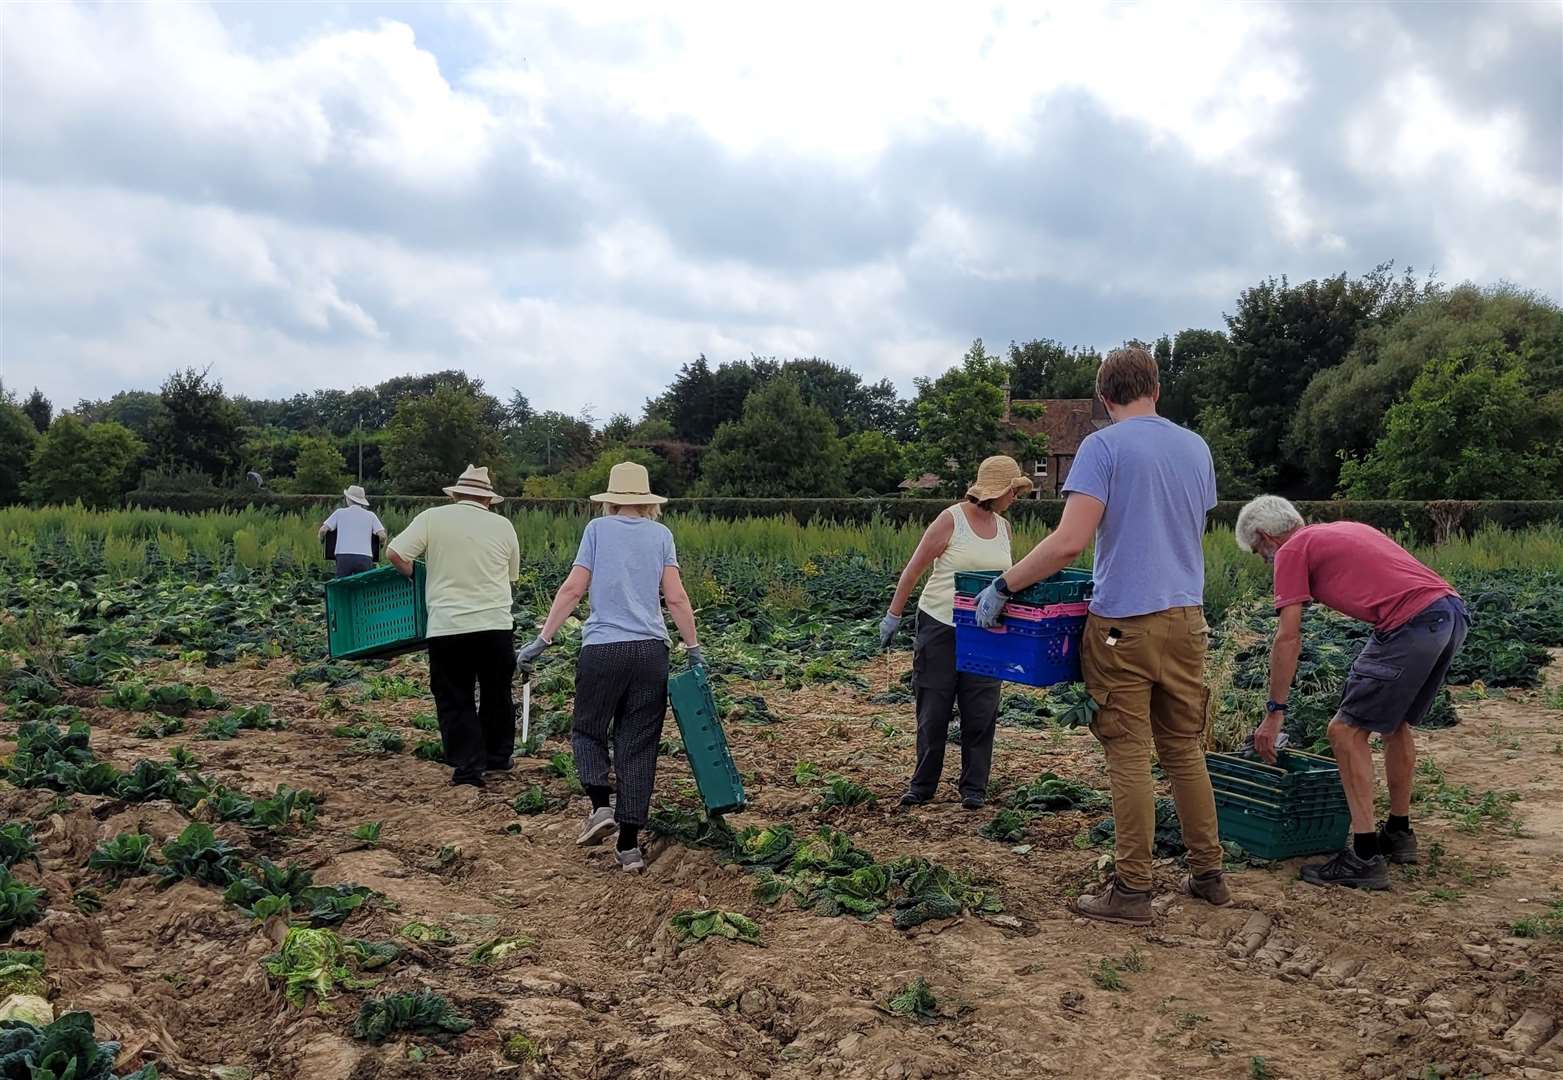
[1065,421]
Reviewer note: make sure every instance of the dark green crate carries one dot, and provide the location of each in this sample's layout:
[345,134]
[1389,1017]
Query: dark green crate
[1068,586]
[1292,808]
[694,707]
[1271,831]
[376,614]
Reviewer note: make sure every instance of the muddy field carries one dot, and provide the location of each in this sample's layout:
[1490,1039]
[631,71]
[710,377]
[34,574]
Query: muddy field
[1425,981]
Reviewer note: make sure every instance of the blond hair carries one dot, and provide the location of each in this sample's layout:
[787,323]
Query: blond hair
[648,510]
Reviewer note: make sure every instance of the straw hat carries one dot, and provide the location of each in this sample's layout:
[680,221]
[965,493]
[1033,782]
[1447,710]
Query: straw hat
[474,481]
[997,476]
[356,496]
[629,484]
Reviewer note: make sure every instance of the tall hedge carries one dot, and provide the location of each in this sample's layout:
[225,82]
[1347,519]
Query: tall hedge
[1414,518]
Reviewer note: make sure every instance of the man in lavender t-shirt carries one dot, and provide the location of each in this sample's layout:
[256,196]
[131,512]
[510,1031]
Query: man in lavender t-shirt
[1142,488]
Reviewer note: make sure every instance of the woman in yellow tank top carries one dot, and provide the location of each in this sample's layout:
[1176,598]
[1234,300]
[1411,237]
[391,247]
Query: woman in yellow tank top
[970,535]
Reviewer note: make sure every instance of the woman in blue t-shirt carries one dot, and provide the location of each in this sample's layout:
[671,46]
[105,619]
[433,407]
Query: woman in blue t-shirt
[628,567]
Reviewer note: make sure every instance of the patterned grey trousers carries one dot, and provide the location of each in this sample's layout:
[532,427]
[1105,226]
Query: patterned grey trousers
[621,691]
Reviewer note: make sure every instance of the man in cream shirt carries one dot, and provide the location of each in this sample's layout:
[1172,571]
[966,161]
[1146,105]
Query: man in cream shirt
[472,556]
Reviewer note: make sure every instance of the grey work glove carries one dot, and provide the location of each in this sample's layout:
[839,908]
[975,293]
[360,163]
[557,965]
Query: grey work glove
[990,605]
[887,628]
[530,652]
[695,655]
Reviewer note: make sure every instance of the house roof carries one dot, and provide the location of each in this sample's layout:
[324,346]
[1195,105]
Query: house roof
[1065,421]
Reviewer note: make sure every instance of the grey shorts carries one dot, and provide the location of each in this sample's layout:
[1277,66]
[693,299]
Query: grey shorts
[1397,675]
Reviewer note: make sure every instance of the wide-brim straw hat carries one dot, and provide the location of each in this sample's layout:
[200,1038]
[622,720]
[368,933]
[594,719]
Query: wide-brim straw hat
[629,484]
[996,477]
[355,495]
[474,481]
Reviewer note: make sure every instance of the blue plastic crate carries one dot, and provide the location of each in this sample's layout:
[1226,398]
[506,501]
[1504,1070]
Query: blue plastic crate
[1040,653]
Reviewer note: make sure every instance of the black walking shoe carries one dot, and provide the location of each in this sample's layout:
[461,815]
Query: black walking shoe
[974,802]
[909,800]
[1349,870]
[503,766]
[474,781]
[1398,846]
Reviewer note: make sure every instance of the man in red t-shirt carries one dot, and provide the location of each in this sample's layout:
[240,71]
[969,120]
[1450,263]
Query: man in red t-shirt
[1419,624]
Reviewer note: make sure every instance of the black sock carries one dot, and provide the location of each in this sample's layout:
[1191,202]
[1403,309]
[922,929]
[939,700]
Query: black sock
[1365,844]
[629,837]
[599,793]
[1398,823]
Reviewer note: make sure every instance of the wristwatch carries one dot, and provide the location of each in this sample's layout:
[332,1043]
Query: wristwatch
[1275,706]
[1001,586]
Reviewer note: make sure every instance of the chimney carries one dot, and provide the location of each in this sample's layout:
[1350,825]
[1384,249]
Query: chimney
[1006,401]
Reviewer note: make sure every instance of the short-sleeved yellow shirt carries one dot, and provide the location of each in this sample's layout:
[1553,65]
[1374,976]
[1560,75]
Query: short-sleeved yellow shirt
[472,556]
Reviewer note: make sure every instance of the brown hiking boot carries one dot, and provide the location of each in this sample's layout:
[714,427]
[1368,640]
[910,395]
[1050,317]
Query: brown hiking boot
[1210,887]
[1115,904]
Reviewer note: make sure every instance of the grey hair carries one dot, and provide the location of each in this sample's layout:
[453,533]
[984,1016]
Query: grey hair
[1266,514]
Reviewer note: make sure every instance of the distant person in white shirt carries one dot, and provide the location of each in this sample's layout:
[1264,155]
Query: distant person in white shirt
[356,528]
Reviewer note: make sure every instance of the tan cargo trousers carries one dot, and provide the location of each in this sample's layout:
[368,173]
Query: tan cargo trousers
[1147,675]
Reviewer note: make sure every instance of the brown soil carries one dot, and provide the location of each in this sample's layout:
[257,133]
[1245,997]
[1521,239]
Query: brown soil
[1316,984]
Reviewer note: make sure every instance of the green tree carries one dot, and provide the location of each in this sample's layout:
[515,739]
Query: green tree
[138,410]
[1236,475]
[432,439]
[198,428]
[17,438]
[1342,411]
[580,483]
[1188,373]
[1471,427]
[1044,369]
[853,404]
[95,464]
[960,419]
[318,467]
[876,463]
[38,410]
[1282,335]
[782,447]
[619,429]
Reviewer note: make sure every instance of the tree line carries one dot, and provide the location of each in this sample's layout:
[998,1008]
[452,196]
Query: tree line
[1376,386]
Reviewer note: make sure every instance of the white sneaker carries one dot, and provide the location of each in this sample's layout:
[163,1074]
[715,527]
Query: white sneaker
[599,823]
[631,861]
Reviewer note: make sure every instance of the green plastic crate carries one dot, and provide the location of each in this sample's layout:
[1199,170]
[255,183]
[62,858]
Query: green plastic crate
[1068,586]
[375,614]
[1293,808]
[694,707]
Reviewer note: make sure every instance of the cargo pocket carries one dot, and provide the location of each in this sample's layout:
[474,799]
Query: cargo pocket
[1372,691]
[1108,723]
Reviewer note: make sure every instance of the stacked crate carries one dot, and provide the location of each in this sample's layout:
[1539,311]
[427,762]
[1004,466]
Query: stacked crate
[1037,642]
[1294,807]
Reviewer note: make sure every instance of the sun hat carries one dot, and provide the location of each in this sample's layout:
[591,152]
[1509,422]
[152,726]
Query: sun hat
[629,484]
[356,496]
[997,476]
[474,481]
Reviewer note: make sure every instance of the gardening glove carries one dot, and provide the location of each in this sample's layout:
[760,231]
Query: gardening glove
[990,605]
[887,628]
[530,652]
[695,655]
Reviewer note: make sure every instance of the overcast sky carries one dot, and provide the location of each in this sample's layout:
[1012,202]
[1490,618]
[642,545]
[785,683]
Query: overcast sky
[574,199]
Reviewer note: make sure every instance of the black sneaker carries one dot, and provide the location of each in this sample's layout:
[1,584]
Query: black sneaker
[973,802]
[471,781]
[503,766]
[1398,847]
[1349,870]
[911,800]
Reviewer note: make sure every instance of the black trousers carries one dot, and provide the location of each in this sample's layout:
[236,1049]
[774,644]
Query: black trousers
[463,670]
[353,564]
[621,691]
[938,688]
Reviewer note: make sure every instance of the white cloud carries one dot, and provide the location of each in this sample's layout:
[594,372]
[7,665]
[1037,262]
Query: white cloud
[576,198]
